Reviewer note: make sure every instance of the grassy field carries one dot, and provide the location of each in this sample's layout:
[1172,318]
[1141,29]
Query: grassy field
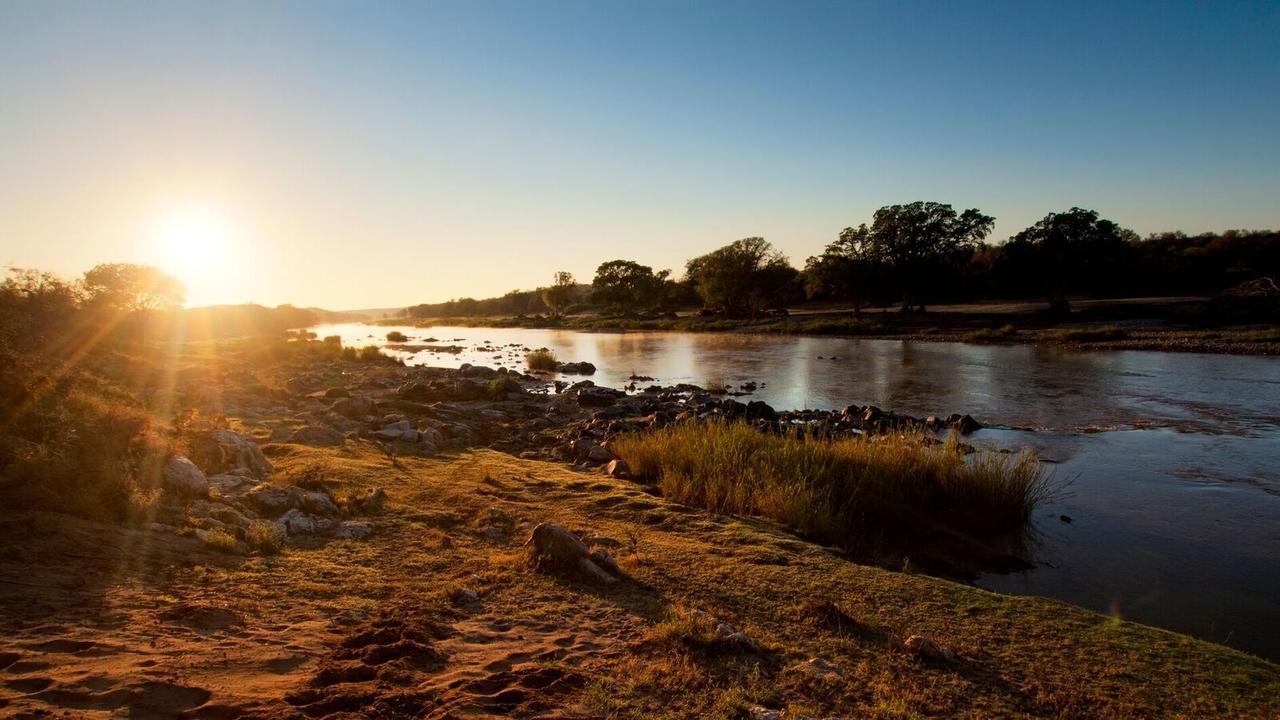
[441,614]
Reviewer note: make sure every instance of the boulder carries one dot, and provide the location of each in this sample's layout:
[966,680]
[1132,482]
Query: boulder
[401,430]
[297,522]
[618,468]
[372,502]
[241,452]
[479,372]
[760,410]
[926,649]
[355,407]
[181,476]
[562,549]
[352,530]
[576,368]
[964,424]
[316,435]
[599,454]
[270,500]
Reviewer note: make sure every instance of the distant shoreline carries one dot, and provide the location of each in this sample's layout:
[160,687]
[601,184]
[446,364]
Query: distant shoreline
[1161,324]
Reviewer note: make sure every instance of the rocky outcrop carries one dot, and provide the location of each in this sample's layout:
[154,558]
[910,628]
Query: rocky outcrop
[181,476]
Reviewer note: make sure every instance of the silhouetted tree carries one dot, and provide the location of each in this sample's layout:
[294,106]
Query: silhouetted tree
[914,239]
[744,277]
[126,287]
[1069,250]
[845,270]
[560,295]
[627,287]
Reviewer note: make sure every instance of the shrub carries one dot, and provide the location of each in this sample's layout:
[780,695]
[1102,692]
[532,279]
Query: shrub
[372,353]
[541,359]
[264,538]
[219,540]
[333,339]
[840,491]
[397,336]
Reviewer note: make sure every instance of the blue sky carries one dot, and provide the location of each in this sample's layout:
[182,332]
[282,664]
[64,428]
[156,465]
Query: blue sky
[360,155]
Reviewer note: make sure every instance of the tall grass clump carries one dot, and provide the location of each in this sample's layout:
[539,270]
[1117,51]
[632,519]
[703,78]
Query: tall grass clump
[541,359]
[840,491]
[397,337]
[1090,334]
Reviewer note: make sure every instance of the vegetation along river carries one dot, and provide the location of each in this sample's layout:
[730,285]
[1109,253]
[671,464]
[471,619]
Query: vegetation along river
[1172,513]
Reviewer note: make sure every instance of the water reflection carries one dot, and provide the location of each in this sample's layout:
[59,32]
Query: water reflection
[1175,514]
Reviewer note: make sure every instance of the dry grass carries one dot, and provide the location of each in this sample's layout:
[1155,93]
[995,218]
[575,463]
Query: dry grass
[541,359]
[1090,334]
[839,491]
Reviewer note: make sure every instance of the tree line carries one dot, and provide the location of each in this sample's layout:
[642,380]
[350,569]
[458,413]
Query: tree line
[911,255]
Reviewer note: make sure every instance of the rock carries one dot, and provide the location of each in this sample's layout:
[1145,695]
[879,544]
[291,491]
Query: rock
[924,648]
[760,712]
[351,530]
[618,468]
[599,454]
[240,452]
[274,500]
[563,549]
[316,435]
[578,368]
[297,522]
[401,430]
[337,392]
[231,483]
[355,407]
[479,372]
[736,638]
[965,424]
[760,410]
[318,503]
[181,476]
[592,396]
[819,669]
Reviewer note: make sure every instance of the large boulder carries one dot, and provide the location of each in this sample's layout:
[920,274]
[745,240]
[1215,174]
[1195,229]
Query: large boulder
[576,368]
[181,476]
[223,451]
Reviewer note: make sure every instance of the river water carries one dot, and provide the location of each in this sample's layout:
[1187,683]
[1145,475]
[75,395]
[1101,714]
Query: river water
[1172,459]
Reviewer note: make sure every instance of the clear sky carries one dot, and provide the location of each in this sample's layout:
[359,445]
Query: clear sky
[354,154]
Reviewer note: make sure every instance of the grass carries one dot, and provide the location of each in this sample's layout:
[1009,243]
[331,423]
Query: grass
[264,538]
[838,491]
[1003,332]
[1090,334]
[397,336]
[541,359]
[715,385]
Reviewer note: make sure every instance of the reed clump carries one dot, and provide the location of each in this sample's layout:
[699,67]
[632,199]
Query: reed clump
[840,491]
[541,359]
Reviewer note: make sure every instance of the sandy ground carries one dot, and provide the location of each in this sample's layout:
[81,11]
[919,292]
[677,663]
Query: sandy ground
[440,614]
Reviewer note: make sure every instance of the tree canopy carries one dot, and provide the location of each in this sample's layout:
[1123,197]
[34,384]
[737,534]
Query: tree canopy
[913,238]
[559,295]
[743,277]
[1067,250]
[127,287]
[627,287]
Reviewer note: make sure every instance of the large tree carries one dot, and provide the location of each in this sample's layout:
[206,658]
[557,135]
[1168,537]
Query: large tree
[1070,250]
[743,277]
[845,270]
[627,287]
[128,288]
[916,238]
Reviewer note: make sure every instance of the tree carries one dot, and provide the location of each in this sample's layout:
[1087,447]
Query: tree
[560,295]
[845,270]
[916,238]
[1070,250]
[128,288]
[626,287]
[743,277]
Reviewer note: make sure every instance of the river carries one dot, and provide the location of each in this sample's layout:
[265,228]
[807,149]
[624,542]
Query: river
[1171,460]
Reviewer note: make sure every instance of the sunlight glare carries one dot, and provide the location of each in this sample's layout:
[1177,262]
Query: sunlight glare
[192,243]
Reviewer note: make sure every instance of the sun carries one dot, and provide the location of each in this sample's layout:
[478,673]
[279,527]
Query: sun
[192,242]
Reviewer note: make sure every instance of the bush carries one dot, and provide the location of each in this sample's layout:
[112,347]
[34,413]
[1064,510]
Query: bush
[333,339]
[264,537]
[397,336]
[219,540]
[541,359]
[841,491]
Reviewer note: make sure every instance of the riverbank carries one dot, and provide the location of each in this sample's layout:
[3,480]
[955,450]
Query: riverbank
[1165,324]
[439,613]
[351,537]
